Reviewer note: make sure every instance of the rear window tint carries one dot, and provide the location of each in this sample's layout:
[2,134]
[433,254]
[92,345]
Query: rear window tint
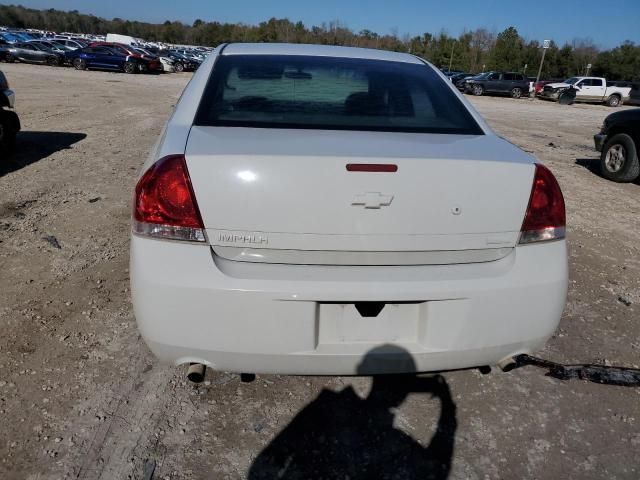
[332,94]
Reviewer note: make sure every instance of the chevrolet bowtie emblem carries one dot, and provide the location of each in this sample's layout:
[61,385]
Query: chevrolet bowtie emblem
[372,200]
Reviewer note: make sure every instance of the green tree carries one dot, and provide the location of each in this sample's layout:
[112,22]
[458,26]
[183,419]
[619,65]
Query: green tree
[507,51]
[471,49]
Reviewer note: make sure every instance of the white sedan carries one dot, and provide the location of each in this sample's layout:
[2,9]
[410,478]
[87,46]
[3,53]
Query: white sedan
[307,206]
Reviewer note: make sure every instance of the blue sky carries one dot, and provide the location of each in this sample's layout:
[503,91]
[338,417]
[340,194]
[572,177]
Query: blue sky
[564,21]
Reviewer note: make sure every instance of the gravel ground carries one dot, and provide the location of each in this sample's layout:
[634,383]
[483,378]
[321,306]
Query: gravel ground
[81,397]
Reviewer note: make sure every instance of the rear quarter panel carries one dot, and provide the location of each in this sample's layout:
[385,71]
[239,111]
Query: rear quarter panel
[174,135]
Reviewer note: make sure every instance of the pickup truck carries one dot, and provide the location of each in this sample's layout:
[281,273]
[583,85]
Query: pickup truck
[586,89]
[9,122]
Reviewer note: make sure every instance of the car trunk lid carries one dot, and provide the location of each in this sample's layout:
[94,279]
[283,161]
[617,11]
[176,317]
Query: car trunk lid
[286,196]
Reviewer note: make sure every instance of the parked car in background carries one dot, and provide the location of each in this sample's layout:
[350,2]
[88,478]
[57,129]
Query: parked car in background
[167,64]
[68,43]
[9,121]
[459,76]
[55,51]
[104,58]
[438,236]
[148,55]
[181,63]
[619,143]
[450,73]
[22,36]
[192,55]
[586,89]
[460,80]
[510,83]
[148,63]
[29,53]
[7,37]
[49,46]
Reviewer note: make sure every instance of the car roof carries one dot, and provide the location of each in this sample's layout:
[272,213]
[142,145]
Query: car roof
[317,51]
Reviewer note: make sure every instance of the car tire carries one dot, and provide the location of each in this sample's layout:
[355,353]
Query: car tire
[130,67]
[79,64]
[179,67]
[619,159]
[516,92]
[8,132]
[53,61]
[9,58]
[613,101]
[477,90]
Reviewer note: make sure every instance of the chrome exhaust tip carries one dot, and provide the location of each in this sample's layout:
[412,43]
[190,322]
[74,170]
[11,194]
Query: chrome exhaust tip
[195,372]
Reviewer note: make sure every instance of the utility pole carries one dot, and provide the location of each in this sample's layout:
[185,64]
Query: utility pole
[453,44]
[525,69]
[545,46]
[588,68]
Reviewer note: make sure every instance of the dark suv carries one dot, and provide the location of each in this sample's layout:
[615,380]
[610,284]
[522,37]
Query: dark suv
[510,83]
[9,122]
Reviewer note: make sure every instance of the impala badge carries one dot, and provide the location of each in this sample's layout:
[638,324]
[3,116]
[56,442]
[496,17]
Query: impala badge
[372,200]
[243,237]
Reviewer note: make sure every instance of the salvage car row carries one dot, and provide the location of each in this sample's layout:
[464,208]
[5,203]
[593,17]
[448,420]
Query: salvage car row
[101,56]
[575,89]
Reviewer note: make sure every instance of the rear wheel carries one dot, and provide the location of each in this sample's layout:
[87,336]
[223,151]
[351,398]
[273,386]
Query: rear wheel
[179,67]
[613,101]
[477,90]
[79,64]
[130,67]
[516,92]
[619,159]
[53,61]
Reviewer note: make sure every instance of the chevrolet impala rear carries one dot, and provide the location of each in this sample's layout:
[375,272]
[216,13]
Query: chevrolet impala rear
[306,205]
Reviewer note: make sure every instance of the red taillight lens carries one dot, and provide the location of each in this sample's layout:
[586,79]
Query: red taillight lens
[165,205]
[545,218]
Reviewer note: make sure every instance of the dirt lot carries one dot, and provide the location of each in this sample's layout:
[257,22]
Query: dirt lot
[81,397]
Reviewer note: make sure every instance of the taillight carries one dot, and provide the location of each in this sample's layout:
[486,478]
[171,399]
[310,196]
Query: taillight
[165,205]
[545,217]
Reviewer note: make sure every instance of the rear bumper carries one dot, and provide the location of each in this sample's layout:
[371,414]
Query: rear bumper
[258,318]
[599,140]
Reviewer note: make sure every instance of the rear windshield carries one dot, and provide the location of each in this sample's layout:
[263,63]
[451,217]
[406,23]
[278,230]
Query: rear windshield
[330,93]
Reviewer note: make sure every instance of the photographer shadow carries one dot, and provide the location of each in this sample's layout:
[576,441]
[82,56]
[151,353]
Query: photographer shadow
[340,435]
[31,147]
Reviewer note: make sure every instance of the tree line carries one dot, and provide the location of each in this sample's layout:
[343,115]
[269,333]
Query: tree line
[471,51]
